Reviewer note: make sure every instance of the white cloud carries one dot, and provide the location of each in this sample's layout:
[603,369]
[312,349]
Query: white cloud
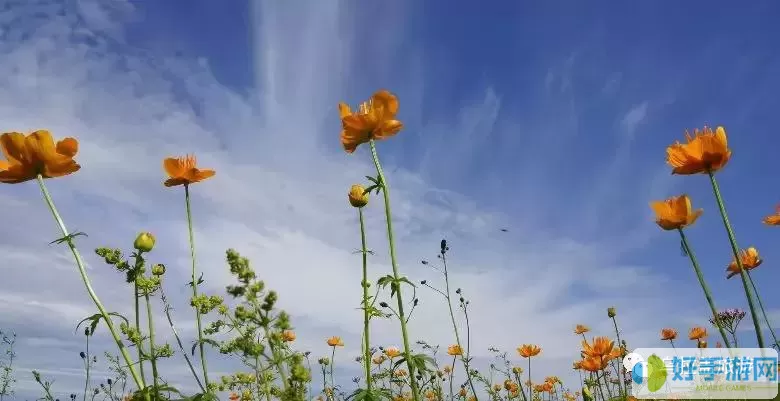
[279,197]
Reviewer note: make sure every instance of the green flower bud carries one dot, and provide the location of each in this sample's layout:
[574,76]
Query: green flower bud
[144,242]
[611,312]
[158,269]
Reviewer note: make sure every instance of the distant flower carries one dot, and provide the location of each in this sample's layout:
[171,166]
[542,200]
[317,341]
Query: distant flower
[749,258]
[378,360]
[374,119]
[288,336]
[668,334]
[697,333]
[581,329]
[729,319]
[454,350]
[34,154]
[773,219]
[392,352]
[335,341]
[528,350]
[705,151]
[675,212]
[184,171]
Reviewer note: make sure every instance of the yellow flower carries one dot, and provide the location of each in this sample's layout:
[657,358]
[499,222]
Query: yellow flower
[749,258]
[392,352]
[594,364]
[454,350]
[184,171]
[374,119]
[144,242]
[773,219]
[335,341]
[675,212]
[357,196]
[27,157]
[528,350]
[378,360]
[705,152]
[581,329]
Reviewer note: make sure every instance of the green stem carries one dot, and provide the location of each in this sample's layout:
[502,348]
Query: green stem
[139,347]
[332,362]
[530,382]
[152,356]
[618,364]
[761,306]
[195,287]
[454,323]
[86,381]
[366,312]
[735,250]
[704,286]
[88,284]
[396,274]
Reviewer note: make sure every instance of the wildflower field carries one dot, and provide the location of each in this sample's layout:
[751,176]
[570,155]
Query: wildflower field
[248,322]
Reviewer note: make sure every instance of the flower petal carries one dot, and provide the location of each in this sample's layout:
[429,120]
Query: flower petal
[12,144]
[172,166]
[68,147]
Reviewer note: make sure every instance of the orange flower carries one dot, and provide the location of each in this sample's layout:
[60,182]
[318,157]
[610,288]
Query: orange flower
[374,119]
[602,346]
[596,364]
[335,341]
[773,219]
[697,333]
[27,157]
[288,336]
[401,373]
[528,350]
[577,365]
[454,350]
[392,352]
[462,392]
[509,385]
[233,397]
[705,152]
[668,334]
[581,329]
[184,171]
[675,212]
[749,258]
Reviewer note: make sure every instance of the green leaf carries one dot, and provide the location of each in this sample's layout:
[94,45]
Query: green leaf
[656,373]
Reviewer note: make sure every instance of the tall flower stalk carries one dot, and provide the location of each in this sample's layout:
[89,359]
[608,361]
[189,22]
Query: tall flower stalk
[68,239]
[375,119]
[396,273]
[738,260]
[358,198]
[704,286]
[184,171]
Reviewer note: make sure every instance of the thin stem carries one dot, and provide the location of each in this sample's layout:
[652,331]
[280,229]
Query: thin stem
[704,286]
[140,345]
[86,381]
[195,286]
[761,306]
[178,339]
[87,283]
[152,356]
[332,362]
[735,250]
[366,311]
[454,323]
[396,274]
[618,364]
[530,382]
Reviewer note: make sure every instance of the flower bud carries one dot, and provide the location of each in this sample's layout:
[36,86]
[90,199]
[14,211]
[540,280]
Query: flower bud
[611,312]
[144,242]
[158,269]
[357,196]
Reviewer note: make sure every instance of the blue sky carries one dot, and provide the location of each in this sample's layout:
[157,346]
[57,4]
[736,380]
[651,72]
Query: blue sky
[549,119]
